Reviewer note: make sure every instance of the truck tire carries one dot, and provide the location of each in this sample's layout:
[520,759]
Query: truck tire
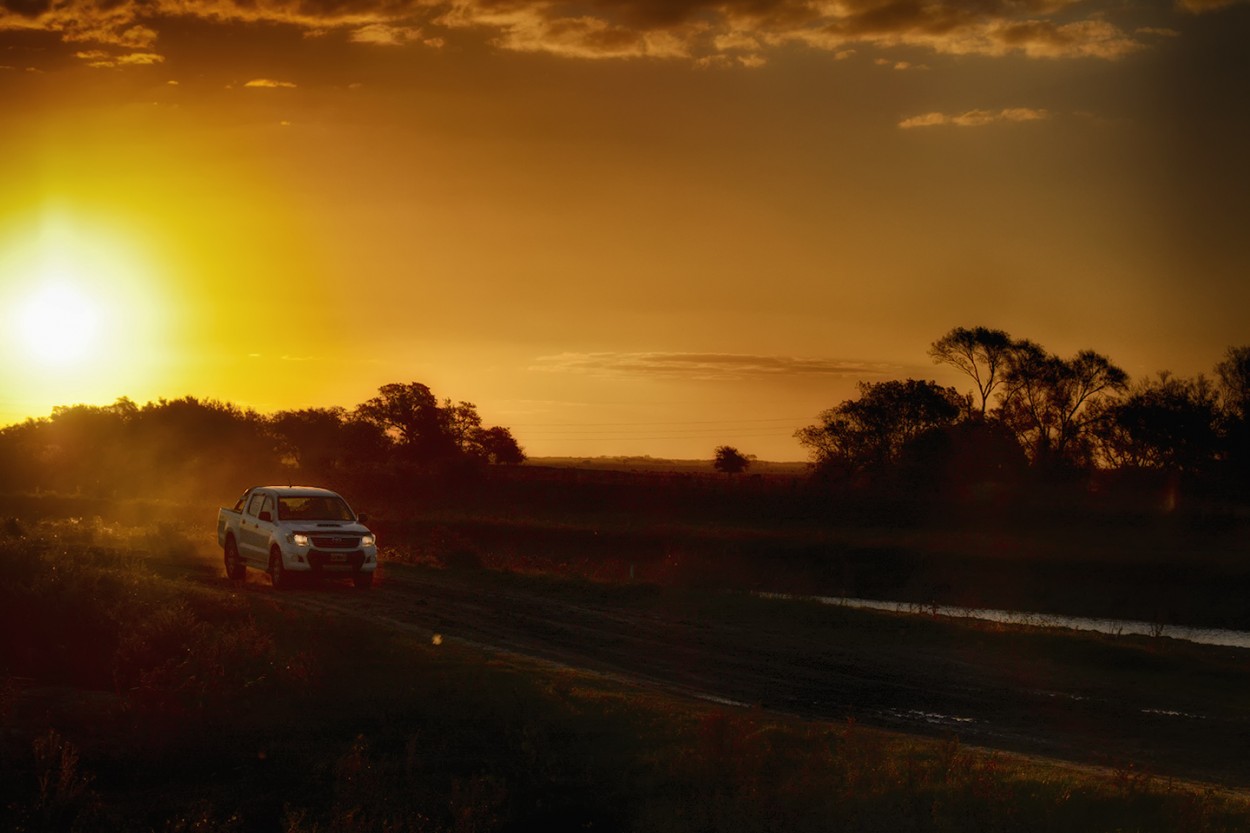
[278,577]
[236,569]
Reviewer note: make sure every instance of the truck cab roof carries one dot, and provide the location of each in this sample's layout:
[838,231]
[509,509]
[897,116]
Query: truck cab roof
[296,491]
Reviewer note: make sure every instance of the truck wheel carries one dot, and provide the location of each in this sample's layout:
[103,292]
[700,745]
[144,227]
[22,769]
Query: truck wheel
[236,569]
[363,581]
[277,576]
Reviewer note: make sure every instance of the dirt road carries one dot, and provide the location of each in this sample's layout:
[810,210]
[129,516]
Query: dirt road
[822,670]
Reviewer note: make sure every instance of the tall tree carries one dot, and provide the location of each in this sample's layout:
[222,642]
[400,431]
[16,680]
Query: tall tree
[1050,402]
[411,415]
[980,353]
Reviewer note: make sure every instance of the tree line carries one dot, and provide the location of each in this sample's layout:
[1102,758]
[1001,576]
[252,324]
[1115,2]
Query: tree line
[1031,409]
[206,446]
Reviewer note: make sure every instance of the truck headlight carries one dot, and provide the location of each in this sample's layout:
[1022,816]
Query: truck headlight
[368,540]
[298,539]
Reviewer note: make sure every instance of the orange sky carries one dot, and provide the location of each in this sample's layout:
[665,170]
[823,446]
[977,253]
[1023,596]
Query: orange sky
[618,227]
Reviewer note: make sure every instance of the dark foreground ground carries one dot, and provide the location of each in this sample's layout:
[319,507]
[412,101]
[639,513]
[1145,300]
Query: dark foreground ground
[1157,704]
[142,690]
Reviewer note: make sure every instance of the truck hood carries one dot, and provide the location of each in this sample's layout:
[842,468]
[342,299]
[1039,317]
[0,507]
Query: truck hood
[325,527]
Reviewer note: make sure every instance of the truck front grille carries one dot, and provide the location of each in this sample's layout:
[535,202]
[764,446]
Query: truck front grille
[337,542]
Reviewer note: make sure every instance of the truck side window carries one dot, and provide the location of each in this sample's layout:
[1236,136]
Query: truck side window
[253,505]
[266,506]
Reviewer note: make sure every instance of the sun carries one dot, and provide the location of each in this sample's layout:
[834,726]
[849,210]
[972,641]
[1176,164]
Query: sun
[84,314]
[58,324]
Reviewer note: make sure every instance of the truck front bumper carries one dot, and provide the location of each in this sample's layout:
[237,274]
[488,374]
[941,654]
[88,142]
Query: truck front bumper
[324,561]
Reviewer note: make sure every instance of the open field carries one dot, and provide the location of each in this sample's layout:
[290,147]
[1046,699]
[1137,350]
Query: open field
[147,692]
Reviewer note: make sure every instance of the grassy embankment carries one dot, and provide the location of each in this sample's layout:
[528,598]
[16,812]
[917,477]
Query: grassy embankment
[1048,549]
[141,692]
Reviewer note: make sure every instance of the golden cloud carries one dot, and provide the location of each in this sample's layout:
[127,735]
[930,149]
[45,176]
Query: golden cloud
[269,83]
[382,34]
[976,118]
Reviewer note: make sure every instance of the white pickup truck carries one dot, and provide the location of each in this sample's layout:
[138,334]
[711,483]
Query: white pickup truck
[288,530]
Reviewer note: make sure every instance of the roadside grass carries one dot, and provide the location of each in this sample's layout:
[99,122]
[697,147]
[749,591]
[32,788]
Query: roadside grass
[139,694]
[1181,568]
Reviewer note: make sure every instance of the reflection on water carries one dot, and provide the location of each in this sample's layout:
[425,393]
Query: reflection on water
[1115,627]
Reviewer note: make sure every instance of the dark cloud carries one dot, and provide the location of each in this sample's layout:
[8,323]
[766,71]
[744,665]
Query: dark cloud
[26,8]
[738,31]
[1200,6]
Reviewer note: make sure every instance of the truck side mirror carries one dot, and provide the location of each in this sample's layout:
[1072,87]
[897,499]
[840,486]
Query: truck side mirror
[362,518]
[266,516]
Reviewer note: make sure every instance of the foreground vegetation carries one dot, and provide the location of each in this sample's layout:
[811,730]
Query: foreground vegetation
[142,692]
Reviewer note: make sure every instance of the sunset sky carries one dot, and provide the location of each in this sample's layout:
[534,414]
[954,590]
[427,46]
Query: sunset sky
[617,226]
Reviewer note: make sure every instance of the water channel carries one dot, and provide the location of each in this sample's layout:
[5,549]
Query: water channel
[1114,627]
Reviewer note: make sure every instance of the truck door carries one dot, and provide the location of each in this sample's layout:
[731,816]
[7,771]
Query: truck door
[253,532]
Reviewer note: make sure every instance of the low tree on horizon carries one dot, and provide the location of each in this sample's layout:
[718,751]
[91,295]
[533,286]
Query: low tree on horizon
[729,460]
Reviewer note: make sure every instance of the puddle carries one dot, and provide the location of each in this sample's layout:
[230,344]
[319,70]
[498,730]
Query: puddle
[932,718]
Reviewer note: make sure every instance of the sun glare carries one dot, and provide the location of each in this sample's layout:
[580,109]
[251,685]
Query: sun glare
[58,324]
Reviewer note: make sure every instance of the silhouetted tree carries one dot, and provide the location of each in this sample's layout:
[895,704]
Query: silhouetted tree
[411,415]
[190,444]
[970,459]
[497,446]
[1049,402]
[980,353]
[195,447]
[1234,376]
[1166,424]
[364,442]
[463,425]
[311,437]
[83,448]
[872,430]
[729,460]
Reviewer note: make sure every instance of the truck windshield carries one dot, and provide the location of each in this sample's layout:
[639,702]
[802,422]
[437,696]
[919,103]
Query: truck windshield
[315,508]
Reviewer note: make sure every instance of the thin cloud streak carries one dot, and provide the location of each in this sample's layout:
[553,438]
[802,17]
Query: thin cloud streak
[704,366]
